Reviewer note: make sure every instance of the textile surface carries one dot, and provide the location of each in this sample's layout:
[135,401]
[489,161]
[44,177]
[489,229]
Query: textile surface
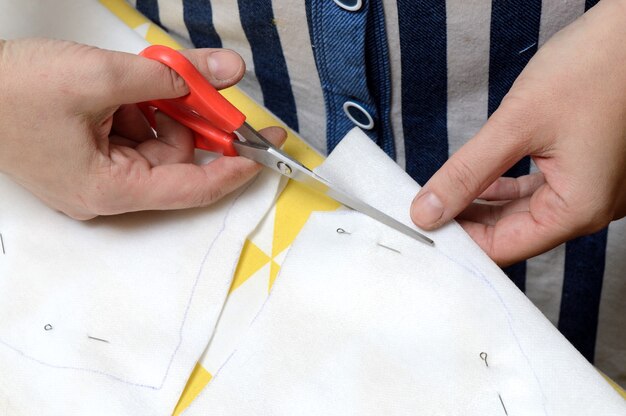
[364,320]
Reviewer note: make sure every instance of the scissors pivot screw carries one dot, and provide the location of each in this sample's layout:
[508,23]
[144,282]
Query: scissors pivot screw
[284,168]
[214,119]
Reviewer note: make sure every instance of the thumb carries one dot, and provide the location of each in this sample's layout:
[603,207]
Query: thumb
[133,78]
[497,146]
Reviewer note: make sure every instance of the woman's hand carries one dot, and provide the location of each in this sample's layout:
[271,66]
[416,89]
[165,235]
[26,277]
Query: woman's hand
[568,111]
[70,133]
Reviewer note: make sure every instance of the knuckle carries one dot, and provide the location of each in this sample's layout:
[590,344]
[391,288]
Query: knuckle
[460,174]
[512,128]
[214,195]
[177,83]
[202,197]
[516,120]
[516,189]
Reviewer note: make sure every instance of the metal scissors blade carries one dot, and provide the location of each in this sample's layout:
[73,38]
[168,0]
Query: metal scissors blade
[220,127]
[254,146]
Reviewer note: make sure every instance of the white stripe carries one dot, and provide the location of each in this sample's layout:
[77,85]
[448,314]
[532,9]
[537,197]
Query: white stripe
[393,40]
[544,274]
[227,24]
[544,282]
[556,14]
[133,3]
[171,16]
[468,33]
[291,24]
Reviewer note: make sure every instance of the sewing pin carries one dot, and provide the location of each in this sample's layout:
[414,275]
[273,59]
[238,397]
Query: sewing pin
[483,356]
[388,248]
[503,406]
[97,339]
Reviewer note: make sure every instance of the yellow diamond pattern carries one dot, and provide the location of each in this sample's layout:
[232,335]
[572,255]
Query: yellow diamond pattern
[293,207]
[198,379]
[251,260]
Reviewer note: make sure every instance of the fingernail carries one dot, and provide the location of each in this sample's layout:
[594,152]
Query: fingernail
[427,209]
[224,64]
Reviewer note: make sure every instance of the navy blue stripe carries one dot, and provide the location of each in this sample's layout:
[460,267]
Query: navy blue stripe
[582,288]
[379,75]
[585,259]
[150,9]
[198,16]
[517,274]
[269,62]
[514,39]
[424,85]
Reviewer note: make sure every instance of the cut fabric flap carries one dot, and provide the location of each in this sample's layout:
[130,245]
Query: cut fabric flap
[363,320]
[114,311]
[109,316]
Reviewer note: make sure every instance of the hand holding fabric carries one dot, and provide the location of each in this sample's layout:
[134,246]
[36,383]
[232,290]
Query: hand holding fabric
[71,134]
[567,110]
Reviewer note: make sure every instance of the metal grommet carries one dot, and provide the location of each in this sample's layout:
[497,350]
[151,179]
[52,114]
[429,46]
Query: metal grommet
[358,115]
[349,5]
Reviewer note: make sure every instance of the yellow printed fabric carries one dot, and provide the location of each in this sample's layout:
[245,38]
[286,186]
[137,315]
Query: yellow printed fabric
[264,251]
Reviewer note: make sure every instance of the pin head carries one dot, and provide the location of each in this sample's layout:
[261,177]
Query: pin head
[483,356]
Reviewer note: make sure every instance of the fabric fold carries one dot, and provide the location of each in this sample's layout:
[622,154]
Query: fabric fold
[364,320]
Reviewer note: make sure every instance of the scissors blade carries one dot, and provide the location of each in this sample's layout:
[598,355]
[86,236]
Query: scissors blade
[257,148]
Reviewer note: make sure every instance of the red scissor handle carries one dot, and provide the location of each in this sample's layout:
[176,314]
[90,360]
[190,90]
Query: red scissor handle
[212,117]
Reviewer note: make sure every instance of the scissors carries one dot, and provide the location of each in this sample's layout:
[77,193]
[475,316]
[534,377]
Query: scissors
[220,127]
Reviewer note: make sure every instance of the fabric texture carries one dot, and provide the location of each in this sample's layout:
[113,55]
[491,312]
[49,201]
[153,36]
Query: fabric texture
[82,21]
[109,316]
[116,310]
[368,321]
[451,63]
[353,65]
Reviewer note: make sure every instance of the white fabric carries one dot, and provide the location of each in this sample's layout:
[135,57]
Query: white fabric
[85,21]
[468,44]
[151,285]
[354,328]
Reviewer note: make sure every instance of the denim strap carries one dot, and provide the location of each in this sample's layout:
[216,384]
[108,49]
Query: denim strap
[350,50]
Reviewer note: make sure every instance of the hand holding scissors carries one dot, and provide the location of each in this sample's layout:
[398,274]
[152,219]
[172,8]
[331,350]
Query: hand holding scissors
[220,127]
